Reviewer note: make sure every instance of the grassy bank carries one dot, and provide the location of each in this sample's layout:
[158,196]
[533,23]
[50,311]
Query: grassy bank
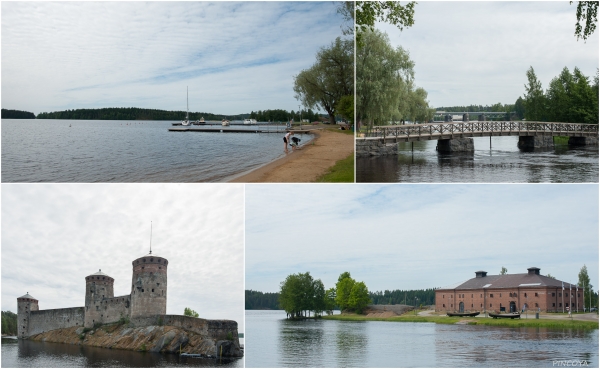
[535,323]
[561,140]
[342,171]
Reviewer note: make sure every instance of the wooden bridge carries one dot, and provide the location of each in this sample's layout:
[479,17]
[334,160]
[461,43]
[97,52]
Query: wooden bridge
[451,130]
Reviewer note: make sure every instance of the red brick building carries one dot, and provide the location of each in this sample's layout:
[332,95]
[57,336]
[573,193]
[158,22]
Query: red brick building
[510,292]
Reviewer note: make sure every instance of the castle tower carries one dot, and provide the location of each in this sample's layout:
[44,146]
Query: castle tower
[149,286]
[98,286]
[25,305]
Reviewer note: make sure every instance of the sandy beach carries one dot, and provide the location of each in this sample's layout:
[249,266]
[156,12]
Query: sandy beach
[304,165]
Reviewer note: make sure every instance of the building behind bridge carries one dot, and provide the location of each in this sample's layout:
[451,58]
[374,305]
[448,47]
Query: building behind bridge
[510,293]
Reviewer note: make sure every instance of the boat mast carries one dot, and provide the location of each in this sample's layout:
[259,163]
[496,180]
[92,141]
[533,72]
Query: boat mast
[187,106]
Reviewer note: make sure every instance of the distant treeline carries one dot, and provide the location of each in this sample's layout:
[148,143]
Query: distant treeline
[9,323]
[132,114]
[17,114]
[395,297]
[277,115]
[482,108]
[256,300]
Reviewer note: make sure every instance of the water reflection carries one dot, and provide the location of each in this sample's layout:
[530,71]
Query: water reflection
[352,343]
[31,354]
[503,162]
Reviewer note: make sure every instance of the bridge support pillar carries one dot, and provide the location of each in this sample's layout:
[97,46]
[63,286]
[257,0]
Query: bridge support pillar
[456,145]
[583,141]
[375,148]
[535,142]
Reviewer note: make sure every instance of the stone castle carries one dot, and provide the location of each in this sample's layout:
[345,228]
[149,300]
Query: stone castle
[148,298]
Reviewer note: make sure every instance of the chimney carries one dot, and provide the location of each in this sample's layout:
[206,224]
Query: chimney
[533,271]
[480,274]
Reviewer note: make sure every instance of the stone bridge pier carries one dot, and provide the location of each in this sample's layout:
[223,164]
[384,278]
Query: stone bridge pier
[535,142]
[456,145]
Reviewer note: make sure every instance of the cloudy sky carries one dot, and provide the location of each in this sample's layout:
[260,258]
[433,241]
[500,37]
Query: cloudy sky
[418,236]
[234,56]
[478,52]
[53,236]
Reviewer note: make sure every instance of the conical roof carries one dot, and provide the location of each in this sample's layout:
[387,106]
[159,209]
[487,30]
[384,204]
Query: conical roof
[27,296]
[99,273]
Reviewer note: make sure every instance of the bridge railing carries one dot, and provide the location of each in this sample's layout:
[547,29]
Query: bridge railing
[468,128]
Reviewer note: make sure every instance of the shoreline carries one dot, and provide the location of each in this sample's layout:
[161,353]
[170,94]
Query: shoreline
[305,165]
[266,167]
[543,322]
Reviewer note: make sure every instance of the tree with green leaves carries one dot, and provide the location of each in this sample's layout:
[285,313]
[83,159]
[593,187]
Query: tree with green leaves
[329,301]
[587,12]
[392,12]
[503,271]
[534,99]
[300,294]
[345,107]
[584,282]
[519,108]
[9,323]
[329,79]
[359,297]
[343,289]
[189,312]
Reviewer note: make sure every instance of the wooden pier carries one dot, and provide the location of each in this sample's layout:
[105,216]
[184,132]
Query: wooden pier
[229,129]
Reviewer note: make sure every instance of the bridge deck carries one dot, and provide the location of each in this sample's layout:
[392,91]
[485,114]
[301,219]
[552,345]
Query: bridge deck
[441,131]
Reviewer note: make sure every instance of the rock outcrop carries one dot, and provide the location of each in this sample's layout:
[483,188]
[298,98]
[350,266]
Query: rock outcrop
[153,338]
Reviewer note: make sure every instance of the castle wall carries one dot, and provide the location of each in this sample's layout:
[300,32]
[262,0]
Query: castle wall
[149,287]
[47,320]
[216,329]
[108,310]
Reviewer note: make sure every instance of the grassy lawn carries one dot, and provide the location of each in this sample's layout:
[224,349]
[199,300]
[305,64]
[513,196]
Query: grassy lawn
[342,171]
[536,323]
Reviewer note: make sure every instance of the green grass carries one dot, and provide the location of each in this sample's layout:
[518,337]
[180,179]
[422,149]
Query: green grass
[561,140]
[342,171]
[536,323]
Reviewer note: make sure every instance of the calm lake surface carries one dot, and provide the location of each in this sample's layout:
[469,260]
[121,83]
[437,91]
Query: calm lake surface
[30,354]
[129,151]
[272,341]
[503,163]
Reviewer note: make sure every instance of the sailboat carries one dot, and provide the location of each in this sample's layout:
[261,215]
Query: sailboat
[186,122]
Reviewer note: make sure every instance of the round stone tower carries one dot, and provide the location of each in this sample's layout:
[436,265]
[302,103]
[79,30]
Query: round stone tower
[98,286]
[149,286]
[25,305]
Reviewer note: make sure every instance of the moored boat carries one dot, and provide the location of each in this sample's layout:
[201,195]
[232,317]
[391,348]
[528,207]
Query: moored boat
[249,121]
[509,315]
[464,314]
[225,122]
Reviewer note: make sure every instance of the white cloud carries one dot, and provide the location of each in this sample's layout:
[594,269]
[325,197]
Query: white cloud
[53,236]
[234,56]
[417,236]
[478,52]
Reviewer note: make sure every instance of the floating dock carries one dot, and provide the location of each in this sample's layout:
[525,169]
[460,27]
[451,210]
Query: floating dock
[229,129]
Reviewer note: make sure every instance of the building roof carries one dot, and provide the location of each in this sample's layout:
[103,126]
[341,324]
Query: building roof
[27,296]
[100,273]
[509,281]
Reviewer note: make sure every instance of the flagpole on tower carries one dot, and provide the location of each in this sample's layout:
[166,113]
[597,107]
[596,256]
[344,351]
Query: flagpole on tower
[150,237]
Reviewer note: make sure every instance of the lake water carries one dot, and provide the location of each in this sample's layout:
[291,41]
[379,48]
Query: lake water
[128,151]
[273,341]
[503,163]
[31,354]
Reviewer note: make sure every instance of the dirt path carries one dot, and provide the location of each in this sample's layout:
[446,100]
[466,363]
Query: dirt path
[304,165]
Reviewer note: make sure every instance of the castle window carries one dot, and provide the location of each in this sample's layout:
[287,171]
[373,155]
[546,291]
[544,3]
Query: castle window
[560,304]
[142,267]
[142,290]
[144,260]
[443,305]
[481,295]
[153,290]
[159,267]
[158,284]
[152,259]
[491,295]
[450,305]
[471,305]
[103,278]
[536,295]
[97,308]
[442,296]
[500,295]
[536,304]
[490,305]
[471,295]
[553,304]
[553,294]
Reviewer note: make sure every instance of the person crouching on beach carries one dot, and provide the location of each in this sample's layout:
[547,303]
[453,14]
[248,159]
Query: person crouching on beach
[295,143]
[286,140]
